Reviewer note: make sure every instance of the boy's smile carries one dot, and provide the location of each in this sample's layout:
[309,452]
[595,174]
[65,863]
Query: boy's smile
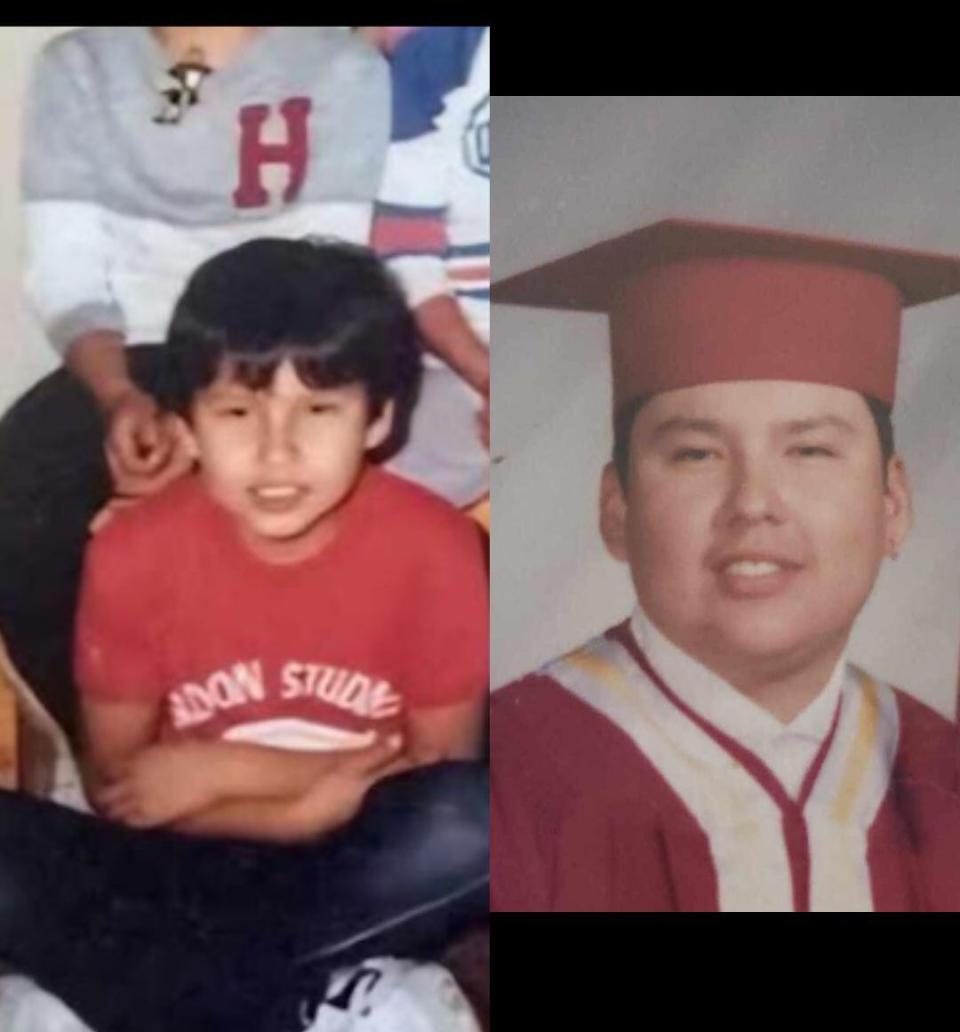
[282,459]
[755,519]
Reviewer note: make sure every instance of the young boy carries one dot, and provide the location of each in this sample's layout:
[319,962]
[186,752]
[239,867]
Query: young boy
[298,615]
[257,646]
[716,751]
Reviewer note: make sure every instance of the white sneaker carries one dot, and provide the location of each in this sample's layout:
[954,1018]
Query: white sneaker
[388,995]
[25,1007]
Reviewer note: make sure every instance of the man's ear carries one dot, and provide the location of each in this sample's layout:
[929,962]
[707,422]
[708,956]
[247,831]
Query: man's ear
[898,506]
[613,513]
[379,429]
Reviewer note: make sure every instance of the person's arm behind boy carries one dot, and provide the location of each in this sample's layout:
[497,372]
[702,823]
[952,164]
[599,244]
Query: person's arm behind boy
[410,217]
[143,449]
[67,263]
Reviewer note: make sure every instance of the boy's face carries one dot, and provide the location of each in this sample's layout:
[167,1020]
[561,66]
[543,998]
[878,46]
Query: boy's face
[754,519]
[282,459]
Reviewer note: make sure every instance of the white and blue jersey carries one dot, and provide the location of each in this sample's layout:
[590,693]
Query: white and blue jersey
[432,223]
[433,213]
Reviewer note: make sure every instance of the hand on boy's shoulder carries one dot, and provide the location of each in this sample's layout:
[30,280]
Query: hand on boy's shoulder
[145,448]
[146,451]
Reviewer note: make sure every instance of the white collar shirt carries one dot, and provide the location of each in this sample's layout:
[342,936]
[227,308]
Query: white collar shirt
[787,749]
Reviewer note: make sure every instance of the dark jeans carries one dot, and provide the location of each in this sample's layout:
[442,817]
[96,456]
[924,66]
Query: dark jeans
[150,931]
[53,480]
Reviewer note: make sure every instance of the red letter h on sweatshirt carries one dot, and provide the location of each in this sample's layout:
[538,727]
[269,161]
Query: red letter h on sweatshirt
[254,153]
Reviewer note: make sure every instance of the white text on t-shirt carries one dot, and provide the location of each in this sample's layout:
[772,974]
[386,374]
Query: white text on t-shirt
[195,702]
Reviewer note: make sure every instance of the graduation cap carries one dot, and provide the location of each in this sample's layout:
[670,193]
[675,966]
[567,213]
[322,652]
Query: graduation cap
[695,302]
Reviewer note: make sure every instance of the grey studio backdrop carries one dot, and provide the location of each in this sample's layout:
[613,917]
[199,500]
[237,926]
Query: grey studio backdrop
[571,171]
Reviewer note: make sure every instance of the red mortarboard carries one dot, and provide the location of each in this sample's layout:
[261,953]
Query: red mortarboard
[694,302]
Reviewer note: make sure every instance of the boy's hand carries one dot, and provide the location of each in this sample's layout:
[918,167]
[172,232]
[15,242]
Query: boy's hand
[161,784]
[145,448]
[336,798]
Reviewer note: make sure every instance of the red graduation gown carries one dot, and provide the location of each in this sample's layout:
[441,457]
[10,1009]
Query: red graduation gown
[608,794]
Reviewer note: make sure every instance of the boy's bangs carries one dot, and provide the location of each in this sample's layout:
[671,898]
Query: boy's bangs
[316,368]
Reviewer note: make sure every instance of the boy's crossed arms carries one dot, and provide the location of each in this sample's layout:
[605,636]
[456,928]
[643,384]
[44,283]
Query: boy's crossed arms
[246,790]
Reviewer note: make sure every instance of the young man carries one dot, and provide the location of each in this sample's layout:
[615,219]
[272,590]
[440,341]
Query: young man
[716,751]
[258,646]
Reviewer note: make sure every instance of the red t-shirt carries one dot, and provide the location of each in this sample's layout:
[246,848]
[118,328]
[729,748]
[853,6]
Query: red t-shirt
[391,615]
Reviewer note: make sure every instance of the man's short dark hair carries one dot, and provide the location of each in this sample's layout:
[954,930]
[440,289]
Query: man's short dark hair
[330,307]
[623,424]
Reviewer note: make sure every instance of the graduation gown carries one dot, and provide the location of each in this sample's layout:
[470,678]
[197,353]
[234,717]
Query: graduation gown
[609,793]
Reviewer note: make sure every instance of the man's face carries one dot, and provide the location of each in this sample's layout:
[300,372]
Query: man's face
[755,518]
[282,459]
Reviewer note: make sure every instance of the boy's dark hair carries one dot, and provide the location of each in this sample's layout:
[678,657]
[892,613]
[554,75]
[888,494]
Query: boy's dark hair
[623,424]
[331,307]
